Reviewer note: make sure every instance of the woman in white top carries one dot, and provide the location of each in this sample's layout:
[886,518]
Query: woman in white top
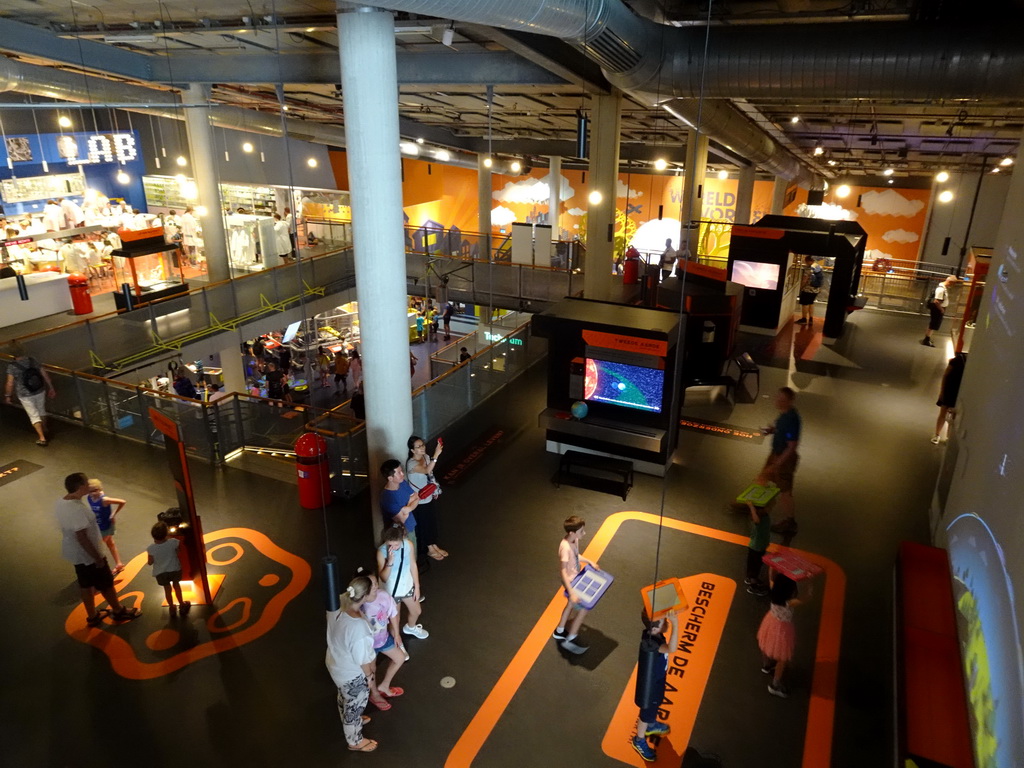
[400,578]
[351,662]
[419,469]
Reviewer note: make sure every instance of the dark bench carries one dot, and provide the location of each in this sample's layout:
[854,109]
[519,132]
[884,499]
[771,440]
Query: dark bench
[572,462]
[748,367]
[931,700]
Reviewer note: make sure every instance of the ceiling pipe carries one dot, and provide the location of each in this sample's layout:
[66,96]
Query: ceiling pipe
[32,80]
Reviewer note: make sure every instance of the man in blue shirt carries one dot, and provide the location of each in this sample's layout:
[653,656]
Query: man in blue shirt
[398,499]
[781,464]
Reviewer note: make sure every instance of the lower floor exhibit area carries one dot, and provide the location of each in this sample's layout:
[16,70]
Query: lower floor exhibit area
[244,676]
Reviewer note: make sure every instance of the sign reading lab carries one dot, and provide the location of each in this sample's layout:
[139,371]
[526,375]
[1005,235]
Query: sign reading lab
[94,148]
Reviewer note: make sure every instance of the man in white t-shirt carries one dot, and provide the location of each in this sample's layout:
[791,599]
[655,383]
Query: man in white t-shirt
[668,260]
[82,545]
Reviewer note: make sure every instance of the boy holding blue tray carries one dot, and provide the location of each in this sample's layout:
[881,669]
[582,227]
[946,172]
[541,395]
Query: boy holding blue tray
[571,563]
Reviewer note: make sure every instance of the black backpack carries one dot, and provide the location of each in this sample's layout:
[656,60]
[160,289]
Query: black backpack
[32,377]
[817,278]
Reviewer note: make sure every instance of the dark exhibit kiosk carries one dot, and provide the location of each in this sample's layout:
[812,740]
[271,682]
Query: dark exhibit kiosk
[147,268]
[761,258]
[618,360]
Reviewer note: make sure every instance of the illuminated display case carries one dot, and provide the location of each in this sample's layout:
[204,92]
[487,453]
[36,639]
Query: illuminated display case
[149,266]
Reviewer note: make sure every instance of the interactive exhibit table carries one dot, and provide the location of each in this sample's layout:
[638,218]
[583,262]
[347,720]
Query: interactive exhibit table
[148,266]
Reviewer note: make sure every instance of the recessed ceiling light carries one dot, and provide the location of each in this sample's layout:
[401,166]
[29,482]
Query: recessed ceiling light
[843,190]
[723,174]
[890,181]
[64,121]
[443,155]
[312,162]
[180,160]
[247,147]
[419,140]
[660,164]
[831,162]
[1006,161]
[945,196]
[595,197]
[819,150]
[409,148]
[942,177]
[515,166]
[488,162]
[888,172]
[795,119]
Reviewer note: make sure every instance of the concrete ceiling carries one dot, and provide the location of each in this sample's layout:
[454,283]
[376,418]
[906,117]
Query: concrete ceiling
[537,87]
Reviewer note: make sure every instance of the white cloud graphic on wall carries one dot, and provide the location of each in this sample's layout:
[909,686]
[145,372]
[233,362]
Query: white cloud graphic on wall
[889,203]
[621,190]
[576,212]
[531,191]
[900,236]
[502,216]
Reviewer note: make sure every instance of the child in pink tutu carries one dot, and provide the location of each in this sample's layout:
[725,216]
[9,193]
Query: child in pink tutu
[776,636]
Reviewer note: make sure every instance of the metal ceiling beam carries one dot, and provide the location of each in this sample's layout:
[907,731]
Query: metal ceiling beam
[321,67]
[28,40]
[551,54]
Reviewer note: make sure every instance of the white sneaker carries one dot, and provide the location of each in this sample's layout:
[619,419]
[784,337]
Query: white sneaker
[417,631]
[935,440]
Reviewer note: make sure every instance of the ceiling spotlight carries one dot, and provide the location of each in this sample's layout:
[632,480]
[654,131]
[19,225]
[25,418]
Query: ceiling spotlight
[64,121]
[595,197]
[832,162]
[180,160]
[818,150]
[945,196]
[312,162]
[942,177]
[419,140]
[123,178]
[889,182]
[843,190]
[1006,161]
[996,169]
[409,148]
[723,174]
[795,119]
[443,155]
[247,147]
[488,162]
[888,172]
[515,166]
[660,164]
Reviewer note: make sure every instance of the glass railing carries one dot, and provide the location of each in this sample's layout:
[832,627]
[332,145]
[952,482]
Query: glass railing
[210,431]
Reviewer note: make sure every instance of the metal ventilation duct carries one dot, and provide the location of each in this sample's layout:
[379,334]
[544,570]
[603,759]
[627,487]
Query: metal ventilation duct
[853,60]
[83,89]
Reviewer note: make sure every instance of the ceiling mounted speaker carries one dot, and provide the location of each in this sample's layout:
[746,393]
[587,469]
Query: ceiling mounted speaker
[815,196]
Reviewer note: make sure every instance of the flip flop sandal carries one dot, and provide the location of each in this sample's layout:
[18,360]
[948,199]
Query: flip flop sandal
[118,569]
[126,614]
[395,691]
[435,555]
[97,618]
[383,705]
[365,719]
[367,745]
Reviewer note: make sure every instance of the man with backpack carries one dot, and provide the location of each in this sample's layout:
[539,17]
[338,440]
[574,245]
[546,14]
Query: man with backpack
[937,308]
[813,279]
[30,381]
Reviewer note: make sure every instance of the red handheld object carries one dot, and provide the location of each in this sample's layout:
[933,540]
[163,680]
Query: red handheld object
[427,490]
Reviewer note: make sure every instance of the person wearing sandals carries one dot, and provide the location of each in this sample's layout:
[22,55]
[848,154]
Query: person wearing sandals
[27,379]
[400,578]
[350,661]
[419,470]
[106,509]
[82,546]
[381,610]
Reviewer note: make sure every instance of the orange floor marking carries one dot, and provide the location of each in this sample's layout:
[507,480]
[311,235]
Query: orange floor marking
[196,596]
[821,713]
[689,667]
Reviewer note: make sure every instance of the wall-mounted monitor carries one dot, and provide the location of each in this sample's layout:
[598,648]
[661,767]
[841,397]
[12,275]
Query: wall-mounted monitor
[756,274]
[629,386]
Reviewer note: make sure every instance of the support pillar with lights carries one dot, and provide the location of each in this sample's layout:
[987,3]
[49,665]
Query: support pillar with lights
[779,195]
[693,192]
[483,201]
[745,194]
[554,198]
[369,81]
[204,170]
[602,183]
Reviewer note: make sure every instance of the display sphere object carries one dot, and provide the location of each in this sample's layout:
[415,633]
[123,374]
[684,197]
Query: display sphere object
[579,409]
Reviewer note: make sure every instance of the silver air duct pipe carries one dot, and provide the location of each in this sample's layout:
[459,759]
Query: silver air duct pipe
[842,60]
[32,80]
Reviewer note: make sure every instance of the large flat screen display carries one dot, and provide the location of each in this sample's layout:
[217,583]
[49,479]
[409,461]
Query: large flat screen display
[756,274]
[627,385]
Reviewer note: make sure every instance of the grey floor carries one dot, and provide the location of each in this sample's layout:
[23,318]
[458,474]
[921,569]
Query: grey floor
[864,484]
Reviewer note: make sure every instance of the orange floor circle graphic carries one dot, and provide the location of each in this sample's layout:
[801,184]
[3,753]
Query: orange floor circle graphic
[162,639]
[214,561]
[246,608]
[269,580]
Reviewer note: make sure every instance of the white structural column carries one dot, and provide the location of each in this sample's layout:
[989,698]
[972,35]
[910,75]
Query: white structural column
[204,170]
[745,194]
[779,195]
[233,373]
[483,192]
[369,86]
[693,192]
[603,179]
[555,199]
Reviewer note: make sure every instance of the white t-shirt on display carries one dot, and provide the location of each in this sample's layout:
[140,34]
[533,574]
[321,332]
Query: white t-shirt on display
[349,646]
[74,515]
